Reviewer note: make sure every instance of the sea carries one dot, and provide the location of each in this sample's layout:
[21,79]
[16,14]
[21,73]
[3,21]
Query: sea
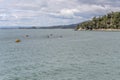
[59,54]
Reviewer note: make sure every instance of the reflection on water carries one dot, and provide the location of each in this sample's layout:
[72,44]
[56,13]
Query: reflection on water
[64,55]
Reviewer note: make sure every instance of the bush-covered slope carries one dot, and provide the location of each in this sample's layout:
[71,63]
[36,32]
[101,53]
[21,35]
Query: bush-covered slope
[109,21]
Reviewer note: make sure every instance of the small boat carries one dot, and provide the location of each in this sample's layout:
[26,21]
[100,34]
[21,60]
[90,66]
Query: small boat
[17,40]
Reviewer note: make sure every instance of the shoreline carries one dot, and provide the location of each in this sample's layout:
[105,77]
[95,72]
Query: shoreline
[99,30]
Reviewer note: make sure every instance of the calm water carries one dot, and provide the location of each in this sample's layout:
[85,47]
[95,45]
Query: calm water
[65,55]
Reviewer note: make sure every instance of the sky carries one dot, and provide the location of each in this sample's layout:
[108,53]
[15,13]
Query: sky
[52,12]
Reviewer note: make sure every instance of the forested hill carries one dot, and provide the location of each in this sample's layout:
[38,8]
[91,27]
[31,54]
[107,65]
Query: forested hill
[108,21]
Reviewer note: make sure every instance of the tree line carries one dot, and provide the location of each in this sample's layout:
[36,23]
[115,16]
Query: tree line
[108,21]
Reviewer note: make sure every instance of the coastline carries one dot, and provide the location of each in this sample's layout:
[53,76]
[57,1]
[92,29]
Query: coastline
[99,30]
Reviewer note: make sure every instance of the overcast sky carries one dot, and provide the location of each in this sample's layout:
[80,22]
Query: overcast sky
[52,12]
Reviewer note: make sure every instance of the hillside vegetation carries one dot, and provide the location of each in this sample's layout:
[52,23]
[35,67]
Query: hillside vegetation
[109,21]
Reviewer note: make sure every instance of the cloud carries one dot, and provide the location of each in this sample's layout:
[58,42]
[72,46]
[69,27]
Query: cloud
[65,14]
[52,12]
[68,12]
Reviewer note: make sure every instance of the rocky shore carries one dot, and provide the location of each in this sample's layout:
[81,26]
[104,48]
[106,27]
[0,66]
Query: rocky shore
[99,30]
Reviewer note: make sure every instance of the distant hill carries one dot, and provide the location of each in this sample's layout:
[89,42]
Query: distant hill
[72,26]
[108,21]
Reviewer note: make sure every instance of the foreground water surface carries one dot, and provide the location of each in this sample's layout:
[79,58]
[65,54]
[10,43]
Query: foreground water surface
[58,54]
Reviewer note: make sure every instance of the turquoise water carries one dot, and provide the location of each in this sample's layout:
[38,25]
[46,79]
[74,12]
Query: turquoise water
[65,55]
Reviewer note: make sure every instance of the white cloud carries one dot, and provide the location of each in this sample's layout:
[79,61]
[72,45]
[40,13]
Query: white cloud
[66,14]
[1,0]
[58,11]
[69,11]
